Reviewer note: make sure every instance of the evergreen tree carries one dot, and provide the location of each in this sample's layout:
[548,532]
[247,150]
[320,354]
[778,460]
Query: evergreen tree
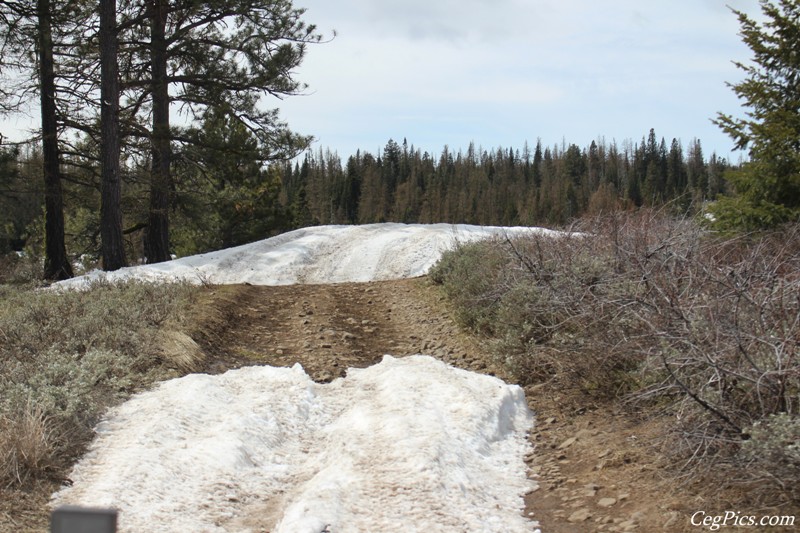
[697,173]
[112,245]
[767,187]
[56,262]
[39,25]
[676,172]
[537,164]
[224,55]
[226,195]
[20,203]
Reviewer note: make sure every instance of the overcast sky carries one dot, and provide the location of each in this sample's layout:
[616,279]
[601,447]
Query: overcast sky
[500,72]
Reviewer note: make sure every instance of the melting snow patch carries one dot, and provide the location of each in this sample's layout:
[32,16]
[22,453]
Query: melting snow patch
[410,444]
[322,254]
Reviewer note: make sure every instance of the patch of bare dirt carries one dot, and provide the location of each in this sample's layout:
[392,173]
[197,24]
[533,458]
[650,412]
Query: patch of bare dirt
[329,328]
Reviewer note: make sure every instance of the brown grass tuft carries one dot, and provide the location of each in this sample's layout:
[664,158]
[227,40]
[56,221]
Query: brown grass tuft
[27,446]
[181,351]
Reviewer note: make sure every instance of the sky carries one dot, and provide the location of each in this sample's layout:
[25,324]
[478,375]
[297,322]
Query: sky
[502,72]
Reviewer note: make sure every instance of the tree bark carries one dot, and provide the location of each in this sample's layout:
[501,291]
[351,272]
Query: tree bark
[157,241]
[112,244]
[56,262]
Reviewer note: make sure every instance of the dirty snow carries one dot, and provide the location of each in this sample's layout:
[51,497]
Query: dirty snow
[410,444]
[323,254]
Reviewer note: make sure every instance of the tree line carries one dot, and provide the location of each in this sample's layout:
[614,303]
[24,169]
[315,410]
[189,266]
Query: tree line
[503,186]
[223,194]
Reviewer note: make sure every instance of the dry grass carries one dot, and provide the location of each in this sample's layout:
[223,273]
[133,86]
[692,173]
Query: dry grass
[66,357]
[28,444]
[180,351]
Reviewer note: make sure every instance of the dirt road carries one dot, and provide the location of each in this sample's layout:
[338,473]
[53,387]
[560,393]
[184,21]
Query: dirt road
[593,467]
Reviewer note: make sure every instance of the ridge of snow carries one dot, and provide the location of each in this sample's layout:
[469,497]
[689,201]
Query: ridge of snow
[321,254]
[409,444]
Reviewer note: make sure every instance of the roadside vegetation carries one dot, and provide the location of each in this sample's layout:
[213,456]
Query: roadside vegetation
[65,357]
[658,315]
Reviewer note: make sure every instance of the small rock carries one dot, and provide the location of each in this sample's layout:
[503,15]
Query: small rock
[567,443]
[606,502]
[581,515]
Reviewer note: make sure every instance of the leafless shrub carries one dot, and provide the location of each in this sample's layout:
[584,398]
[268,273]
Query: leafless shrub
[652,309]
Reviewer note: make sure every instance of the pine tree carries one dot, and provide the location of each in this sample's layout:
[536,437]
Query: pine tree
[56,263]
[112,244]
[223,55]
[767,187]
[39,25]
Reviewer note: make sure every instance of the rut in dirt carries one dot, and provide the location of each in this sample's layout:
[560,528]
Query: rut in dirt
[329,328]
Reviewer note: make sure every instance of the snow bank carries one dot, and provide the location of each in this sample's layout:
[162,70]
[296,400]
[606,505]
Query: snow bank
[322,254]
[410,444]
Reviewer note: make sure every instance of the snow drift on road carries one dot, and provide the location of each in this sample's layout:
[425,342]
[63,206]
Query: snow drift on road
[410,444]
[322,254]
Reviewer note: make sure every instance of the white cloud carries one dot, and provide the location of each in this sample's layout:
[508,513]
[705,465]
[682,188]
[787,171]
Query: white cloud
[436,72]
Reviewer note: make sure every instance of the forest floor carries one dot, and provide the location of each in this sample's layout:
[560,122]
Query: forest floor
[596,467]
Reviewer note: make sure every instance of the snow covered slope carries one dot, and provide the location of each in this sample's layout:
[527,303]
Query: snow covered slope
[410,444]
[323,254]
